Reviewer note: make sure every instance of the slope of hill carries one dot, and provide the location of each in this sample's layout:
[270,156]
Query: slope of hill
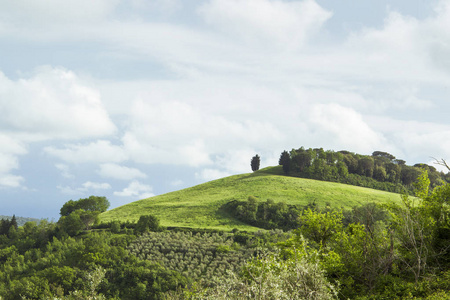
[198,206]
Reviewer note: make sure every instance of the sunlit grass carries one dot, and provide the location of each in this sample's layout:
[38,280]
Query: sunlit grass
[198,206]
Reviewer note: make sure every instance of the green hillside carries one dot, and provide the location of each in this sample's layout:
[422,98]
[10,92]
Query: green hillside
[198,206]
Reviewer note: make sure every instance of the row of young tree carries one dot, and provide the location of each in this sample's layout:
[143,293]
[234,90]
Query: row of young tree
[381,170]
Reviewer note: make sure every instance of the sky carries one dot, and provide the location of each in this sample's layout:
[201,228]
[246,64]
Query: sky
[131,99]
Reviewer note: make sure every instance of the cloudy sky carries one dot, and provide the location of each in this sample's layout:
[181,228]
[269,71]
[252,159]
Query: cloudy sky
[130,99]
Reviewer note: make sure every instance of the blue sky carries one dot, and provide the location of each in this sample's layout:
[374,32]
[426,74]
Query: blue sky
[129,99]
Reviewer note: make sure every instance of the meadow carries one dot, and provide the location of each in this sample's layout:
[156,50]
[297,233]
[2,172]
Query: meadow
[199,206]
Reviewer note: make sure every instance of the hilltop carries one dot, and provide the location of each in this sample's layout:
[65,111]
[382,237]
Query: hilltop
[199,206]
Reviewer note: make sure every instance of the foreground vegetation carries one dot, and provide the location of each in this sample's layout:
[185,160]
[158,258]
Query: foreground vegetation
[314,250]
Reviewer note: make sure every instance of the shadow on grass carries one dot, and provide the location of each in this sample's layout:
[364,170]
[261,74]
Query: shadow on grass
[223,213]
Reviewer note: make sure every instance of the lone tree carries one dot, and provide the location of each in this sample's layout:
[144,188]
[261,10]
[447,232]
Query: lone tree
[79,215]
[255,163]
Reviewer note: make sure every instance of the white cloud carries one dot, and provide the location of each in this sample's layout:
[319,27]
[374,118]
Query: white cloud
[338,125]
[52,104]
[68,190]
[115,171]
[161,6]
[136,190]
[237,161]
[11,181]
[405,49]
[286,23]
[9,160]
[100,151]
[65,170]
[84,188]
[43,13]
[182,134]
[89,185]
[9,152]
[211,174]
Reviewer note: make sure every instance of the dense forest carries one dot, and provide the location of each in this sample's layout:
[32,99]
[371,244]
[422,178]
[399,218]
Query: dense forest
[381,170]
[390,251]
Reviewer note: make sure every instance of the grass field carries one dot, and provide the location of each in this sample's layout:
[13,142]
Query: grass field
[198,206]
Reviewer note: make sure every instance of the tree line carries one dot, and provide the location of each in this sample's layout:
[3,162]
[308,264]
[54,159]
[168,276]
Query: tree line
[381,170]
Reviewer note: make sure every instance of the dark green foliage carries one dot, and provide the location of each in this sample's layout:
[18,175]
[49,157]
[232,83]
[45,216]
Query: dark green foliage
[268,215]
[148,223]
[115,227]
[301,159]
[138,279]
[93,203]
[4,226]
[255,163]
[385,155]
[72,224]
[13,223]
[285,161]
[380,171]
[36,265]
[80,215]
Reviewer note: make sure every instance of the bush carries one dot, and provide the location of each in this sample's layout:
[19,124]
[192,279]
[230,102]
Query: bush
[148,223]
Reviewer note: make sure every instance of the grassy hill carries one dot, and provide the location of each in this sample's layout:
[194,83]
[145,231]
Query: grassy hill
[198,206]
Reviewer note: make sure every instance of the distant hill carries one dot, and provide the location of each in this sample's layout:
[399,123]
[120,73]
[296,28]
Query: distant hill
[20,220]
[199,206]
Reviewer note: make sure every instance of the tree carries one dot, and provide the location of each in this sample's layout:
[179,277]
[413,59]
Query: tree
[366,166]
[72,224]
[441,162]
[320,227]
[4,227]
[351,161]
[93,203]
[301,159]
[270,276]
[81,214]
[389,156]
[255,163]
[415,229]
[13,222]
[409,174]
[148,223]
[379,173]
[342,169]
[285,161]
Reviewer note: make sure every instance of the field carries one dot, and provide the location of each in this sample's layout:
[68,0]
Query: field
[199,206]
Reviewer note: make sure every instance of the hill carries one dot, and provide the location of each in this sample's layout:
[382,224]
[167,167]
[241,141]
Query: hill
[199,206]
[20,220]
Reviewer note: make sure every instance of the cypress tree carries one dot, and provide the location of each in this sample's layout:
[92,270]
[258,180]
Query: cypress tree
[285,161]
[13,222]
[255,163]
